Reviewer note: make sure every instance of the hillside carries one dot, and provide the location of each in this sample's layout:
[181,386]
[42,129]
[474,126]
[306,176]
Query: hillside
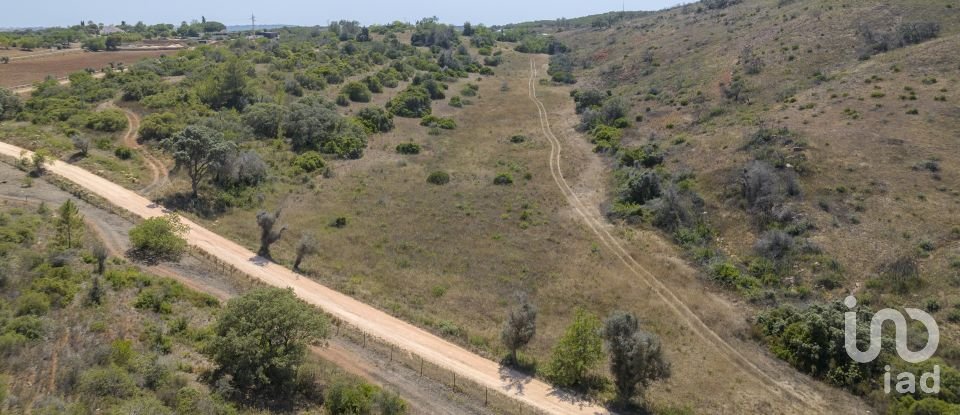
[805,146]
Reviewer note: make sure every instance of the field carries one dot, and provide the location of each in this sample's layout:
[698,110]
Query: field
[27,71]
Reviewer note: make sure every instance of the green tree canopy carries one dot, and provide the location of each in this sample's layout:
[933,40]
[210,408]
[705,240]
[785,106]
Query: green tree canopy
[578,351]
[199,149]
[261,339]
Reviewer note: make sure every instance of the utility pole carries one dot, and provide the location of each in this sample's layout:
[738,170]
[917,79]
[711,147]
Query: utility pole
[253,26]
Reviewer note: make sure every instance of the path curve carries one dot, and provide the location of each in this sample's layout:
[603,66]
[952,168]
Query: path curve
[157,169]
[406,337]
[809,401]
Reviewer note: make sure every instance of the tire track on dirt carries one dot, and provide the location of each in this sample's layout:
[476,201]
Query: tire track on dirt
[157,169]
[678,307]
[406,337]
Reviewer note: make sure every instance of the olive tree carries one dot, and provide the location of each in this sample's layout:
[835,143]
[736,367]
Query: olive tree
[198,150]
[307,246]
[519,329]
[636,357]
[267,221]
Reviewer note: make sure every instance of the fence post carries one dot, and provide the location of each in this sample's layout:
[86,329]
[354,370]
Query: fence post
[421,366]
[486,396]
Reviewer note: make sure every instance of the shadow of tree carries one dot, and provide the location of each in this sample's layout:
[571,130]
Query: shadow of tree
[201,206]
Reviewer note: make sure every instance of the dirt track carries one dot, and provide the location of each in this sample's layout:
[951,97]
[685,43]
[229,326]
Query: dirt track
[799,394]
[423,395]
[405,336]
[157,169]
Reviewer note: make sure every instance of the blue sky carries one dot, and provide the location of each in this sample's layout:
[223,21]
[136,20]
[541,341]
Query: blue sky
[33,13]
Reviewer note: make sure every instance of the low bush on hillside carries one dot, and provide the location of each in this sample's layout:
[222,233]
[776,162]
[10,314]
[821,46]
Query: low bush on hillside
[438,178]
[408,148]
[439,122]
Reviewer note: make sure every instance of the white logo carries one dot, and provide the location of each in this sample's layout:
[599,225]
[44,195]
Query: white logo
[906,380]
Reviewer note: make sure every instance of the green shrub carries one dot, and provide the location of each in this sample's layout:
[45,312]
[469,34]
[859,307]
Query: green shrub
[106,382]
[159,239]
[123,153]
[160,126]
[408,148]
[438,178]
[357,92]
[349,399]
[434,121]
[414,102]
[517,139]
[309,161]
[375,120]
[109,120]
[33,303]
[470,90]
[456,102]
[503,179]
[30,327]
[577,352]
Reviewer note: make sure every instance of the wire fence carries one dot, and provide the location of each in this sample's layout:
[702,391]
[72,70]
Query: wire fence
[494,399]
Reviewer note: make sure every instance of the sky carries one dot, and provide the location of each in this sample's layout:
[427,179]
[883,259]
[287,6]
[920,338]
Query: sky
[43,13]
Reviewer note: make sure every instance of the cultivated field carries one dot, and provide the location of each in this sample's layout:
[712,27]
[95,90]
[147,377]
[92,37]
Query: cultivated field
[27,71]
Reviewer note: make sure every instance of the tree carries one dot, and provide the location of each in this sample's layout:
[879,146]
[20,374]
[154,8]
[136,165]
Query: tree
[311,123]
[198,150]
[81,143]
[357,92]
[577,352]
[414,102]
[467,29]
[265,119]
[375,120]
[519,329]
[10,105]
[69,225]
[100,254]
[96,292]
[307,246]
[261,338]
[159,239]
[636,358]
[113,42]
[228,87]
[268,235]
[160,126]
[38,160]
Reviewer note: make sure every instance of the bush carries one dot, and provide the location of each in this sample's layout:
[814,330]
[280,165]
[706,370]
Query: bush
[438,178]
[160,126]
[517,139]
[434,121]
[640,186]
[408,148]
[106,382]
[33,303]
[375,120]
[159,239]
[309,161]
[109,120]
[774,244]
[123,153]
[456,102]
[265,119]
[503,179]
[348,399]
[357,92]
[414,102]
[578,351]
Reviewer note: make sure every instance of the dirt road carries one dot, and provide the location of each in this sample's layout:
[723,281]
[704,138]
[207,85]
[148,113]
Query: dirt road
[800,394]
[422,394]
[158,170]
[405,336]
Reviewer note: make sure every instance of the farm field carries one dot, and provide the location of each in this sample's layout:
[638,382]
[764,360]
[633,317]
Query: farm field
[27,71]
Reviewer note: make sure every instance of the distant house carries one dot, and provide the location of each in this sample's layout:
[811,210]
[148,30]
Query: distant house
[270,35]
[110,30]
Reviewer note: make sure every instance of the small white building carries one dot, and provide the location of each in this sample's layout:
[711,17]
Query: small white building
[110,30]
